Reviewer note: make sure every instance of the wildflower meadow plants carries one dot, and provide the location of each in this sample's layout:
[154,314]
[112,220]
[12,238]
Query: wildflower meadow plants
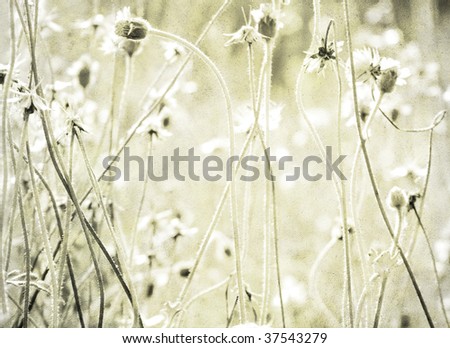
[83,85]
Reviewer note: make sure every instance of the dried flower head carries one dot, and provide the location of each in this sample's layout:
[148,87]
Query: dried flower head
[388,79]
[318,60]
[246,34]
[74,120]
[397,198]
[370,66]
[132,28]
[30,101]
[382,262]
[267,20]
[367,65]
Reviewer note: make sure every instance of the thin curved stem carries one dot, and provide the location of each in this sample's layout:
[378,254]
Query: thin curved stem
[437,120]
[353,177]
[435,271]
[114,235]
[126,85]
[6,90]
[363,300]
[141,204]
[18,169]
[423,193]
[206,292]
[313,289]
[370,171]
[46,241]
[66,231]
[316,29]
[256,105]
[112,108]
[385,275]
[343,197]
[20,150]
[266,272]
[224,88]
[376,320]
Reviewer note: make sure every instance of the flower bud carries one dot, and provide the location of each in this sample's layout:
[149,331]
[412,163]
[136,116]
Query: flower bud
[397,198]
[387,80]
[267,20]
[84,76]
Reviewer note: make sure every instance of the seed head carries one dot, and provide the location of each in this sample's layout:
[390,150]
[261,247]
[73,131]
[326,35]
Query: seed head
[397,198]
[133,28]
[267,19]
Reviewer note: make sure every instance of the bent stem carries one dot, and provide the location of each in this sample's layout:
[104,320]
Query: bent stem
[376,321]
[370,171]
[363,301]
[26,244]
[348,294]
[385,275]
[6,90]
[112,113]
[226,94]
[141,204]
[352,197]
[114,235]
[206,292]
[313,289]
[18,195]
[435,271]
[438,119]
[66,231]
[270,185]
[58,165]
[316,29]
[424,192]
[126,85]
[45,239]
[267,225]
